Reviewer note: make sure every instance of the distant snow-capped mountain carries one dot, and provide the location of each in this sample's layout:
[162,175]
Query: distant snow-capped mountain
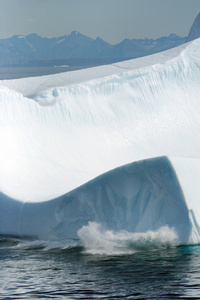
[195,30]
[77,49]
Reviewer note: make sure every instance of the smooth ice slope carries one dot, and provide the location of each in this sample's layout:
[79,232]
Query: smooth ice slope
[137,197]
[63,137]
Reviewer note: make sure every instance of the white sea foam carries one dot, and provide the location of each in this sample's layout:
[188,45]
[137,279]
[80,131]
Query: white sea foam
[97,240]
[46,245]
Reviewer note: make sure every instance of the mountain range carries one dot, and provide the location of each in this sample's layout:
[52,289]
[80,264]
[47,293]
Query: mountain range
[76,49]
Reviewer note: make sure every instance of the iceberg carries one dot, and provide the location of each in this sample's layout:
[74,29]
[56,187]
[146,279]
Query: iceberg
[117,145]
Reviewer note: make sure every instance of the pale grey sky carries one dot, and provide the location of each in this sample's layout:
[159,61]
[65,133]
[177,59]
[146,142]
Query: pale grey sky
[112,20]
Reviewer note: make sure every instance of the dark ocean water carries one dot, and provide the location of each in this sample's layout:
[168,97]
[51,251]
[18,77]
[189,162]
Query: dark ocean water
[30,270]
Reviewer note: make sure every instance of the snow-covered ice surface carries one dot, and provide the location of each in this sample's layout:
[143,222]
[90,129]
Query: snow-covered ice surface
[117,145]
[34,85]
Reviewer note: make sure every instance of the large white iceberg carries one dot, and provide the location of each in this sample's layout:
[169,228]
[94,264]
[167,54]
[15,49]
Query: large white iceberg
[118,145]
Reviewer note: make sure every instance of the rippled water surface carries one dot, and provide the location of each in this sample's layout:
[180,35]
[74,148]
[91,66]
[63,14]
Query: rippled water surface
[30,270]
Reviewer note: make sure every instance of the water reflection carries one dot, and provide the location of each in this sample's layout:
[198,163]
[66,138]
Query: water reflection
[171,273]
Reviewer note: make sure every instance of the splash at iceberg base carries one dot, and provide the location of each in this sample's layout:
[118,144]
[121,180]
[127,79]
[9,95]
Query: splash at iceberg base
[137,197]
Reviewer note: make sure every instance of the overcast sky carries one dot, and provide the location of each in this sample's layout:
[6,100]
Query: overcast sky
[112,20]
